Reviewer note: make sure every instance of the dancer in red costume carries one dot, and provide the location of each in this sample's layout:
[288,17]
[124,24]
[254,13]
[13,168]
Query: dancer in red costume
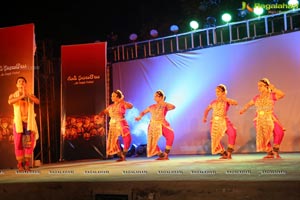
[25,129]
[220,123]
[265,121]
[158,126]
[118,126]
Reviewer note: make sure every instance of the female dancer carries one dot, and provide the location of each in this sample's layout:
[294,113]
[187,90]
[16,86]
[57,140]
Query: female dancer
[158,126]
[220,123]
[118,126]
[265,121]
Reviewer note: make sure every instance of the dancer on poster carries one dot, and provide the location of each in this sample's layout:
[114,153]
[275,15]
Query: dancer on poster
[158,126]
[265,121]
[220,123]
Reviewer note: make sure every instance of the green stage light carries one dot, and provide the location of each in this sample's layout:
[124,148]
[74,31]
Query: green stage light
[226,17]
[258,11]
[293,3]
[194,25]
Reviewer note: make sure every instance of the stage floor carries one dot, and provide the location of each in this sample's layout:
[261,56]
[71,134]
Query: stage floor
[246,176]
[243,167]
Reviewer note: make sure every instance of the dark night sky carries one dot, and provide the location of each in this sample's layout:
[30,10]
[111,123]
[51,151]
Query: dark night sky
[87,21]
[74,22]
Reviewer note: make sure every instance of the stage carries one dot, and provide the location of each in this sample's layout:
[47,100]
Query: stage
[246,176]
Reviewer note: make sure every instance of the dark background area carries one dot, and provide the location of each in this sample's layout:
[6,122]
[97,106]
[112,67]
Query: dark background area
[71,22]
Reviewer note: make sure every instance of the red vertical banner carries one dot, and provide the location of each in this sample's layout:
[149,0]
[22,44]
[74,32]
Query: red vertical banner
[83,92]
[17,44]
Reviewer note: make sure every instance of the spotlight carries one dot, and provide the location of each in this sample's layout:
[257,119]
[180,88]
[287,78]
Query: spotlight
[226,17]
[194,25]
[132,150]
[141,150]
[293,3]
[174,28]
[258,11]
[210,22]
[133,37]
[154,33]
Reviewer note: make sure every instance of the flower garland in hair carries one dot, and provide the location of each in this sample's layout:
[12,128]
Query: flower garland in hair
[224,87]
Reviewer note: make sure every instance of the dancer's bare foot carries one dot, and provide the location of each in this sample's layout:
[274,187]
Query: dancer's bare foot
[269,156]
[276,155]
[229,155]
[20,167]
[224,155]
[163,157]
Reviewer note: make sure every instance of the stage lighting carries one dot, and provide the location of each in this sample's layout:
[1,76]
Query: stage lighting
[154,33]
[174,28]
[210,22]
[131,151]
[293,3]
[258,11]
[133,37]
[194,25]
[226,17]
[141,150]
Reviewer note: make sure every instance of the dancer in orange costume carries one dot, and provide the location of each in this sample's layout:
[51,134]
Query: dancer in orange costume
[158,126]
[265,121]
[118,126]
[220,123]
